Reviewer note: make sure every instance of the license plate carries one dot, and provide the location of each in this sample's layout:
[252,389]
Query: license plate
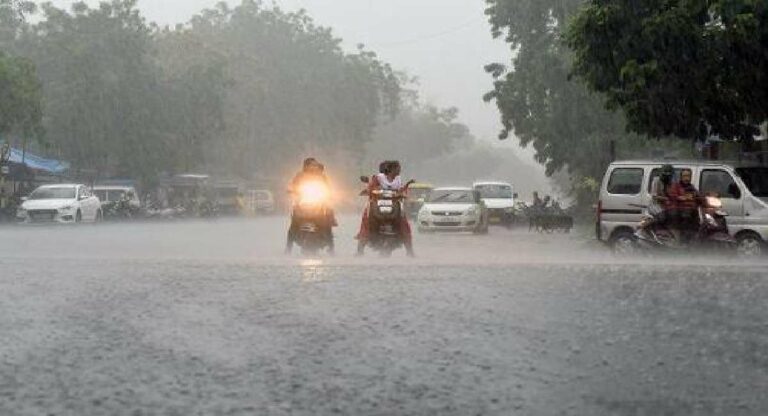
[385,203]
[42,216]
[444,220]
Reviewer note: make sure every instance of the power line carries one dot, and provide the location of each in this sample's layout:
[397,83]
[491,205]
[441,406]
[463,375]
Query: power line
[423,38]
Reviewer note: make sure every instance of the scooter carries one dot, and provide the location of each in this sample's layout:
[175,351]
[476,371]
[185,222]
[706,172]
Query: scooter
[385,211]
[312,214]
[712,234]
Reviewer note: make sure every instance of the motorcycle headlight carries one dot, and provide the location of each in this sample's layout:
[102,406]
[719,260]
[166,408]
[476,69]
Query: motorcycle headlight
[313,193]
[714,202]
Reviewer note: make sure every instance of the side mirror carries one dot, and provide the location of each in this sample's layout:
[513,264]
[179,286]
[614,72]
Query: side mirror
[364,179]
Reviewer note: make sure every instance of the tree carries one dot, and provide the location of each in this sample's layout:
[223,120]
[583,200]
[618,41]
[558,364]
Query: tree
[565,123]
[689,69]
[20,97]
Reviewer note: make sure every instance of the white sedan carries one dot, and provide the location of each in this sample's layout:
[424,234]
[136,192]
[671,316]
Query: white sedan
[60,204]
[453,209]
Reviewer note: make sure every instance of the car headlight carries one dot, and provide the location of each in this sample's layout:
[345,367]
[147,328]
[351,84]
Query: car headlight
[67,208]
[472,211]
[21,212]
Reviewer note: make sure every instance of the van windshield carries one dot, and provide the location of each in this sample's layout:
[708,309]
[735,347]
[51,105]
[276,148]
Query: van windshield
[494,191]
[756,180]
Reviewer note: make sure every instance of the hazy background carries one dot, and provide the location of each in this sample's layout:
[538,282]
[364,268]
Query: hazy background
[444,43]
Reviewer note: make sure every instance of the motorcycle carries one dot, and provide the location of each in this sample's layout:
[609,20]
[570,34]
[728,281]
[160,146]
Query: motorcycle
[385,211]
[712,233]
[312,214]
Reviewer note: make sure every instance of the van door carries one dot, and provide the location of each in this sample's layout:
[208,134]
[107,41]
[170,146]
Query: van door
[721,183]
[624,200]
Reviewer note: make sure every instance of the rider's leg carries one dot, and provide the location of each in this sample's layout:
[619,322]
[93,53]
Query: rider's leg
[405,232]
[292,230]
[363,234]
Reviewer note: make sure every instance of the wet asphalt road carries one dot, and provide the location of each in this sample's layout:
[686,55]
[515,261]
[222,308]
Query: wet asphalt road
[209,318]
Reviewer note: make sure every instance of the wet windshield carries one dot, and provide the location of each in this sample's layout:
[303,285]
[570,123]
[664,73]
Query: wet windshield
[53,193]
[495,191]
[756,180]
[451,197]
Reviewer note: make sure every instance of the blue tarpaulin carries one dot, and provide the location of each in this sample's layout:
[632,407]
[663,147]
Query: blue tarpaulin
[37,162]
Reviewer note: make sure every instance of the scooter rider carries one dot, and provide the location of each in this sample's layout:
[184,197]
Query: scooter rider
[388,178]
[311,170]
[687,198]
[661,206]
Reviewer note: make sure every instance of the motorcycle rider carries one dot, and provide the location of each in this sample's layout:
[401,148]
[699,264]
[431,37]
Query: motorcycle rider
[661,206]
[687,197]
[311,170]
[388,178]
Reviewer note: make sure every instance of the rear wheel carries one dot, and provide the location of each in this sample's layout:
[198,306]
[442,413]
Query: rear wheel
[750,245]
[623,243]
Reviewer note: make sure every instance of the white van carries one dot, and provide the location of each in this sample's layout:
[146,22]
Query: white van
[743,189]
[499,198]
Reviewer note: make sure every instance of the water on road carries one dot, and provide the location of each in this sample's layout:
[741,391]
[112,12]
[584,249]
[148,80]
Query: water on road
[211,318]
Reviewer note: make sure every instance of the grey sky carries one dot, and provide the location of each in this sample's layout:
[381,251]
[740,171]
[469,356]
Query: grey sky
[445,43]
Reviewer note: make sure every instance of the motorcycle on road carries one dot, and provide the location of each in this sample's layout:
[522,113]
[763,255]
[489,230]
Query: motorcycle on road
[385,213]
[312,218]
[712,234]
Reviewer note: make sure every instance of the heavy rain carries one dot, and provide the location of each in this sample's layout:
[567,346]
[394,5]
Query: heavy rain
[453,207]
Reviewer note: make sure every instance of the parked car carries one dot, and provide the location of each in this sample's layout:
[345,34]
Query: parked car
[453,209]
[742,188]
[499,198]
[70,203]
[260,201]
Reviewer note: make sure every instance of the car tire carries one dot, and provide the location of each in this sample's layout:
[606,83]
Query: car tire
[78,217]
[99,217]
[750,245]
[623,243]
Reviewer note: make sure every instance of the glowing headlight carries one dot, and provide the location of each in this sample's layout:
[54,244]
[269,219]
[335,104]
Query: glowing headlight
[714,202]
[313,193]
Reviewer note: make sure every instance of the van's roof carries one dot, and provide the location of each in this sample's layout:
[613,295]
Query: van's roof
[691,162]
[60,185]
[112,187]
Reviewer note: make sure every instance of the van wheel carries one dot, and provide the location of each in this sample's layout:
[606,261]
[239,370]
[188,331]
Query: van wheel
[750,245]
[623,243]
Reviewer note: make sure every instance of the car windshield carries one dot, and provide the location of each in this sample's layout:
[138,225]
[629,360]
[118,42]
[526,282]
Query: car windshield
[756,180]
[495,191]
[451,197]
[416,193]
[53,193]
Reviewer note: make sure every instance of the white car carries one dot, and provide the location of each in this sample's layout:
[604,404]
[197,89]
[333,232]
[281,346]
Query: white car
[60,204]
[453,209]
[499,198]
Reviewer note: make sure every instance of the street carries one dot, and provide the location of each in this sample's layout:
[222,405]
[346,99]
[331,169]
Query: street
[211,318]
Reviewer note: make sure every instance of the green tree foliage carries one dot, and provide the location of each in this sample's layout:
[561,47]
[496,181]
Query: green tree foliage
[682,68]
[235,91]
[565,124]
[20,97]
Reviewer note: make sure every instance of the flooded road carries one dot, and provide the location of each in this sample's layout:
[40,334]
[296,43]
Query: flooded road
[211,318]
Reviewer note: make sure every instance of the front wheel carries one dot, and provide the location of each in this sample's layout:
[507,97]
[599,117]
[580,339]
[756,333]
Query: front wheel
[750,245]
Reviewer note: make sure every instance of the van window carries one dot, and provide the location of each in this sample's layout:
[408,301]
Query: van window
[756,179]
[719,182]
[656,172]
[626,181]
